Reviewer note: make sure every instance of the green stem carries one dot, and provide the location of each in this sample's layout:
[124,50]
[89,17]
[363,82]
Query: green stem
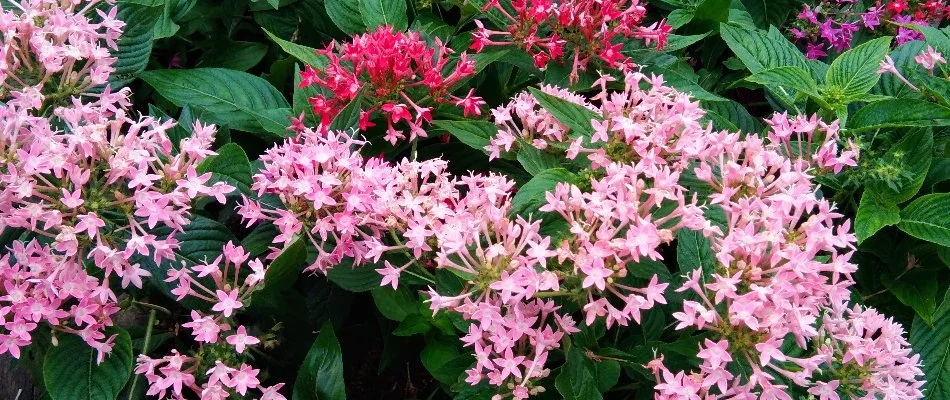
[152,307]
[148,338]
[541,295]
[429,278]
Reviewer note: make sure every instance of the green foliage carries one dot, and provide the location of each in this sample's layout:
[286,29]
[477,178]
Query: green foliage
[231,98]
[933,343]
[71,371]
[321,374]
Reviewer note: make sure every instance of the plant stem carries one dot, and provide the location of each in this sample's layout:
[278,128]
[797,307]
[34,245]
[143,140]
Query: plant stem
[148,338]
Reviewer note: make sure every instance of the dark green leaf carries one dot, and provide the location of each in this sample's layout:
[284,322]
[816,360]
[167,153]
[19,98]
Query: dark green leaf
[70,371]
[531,196]
[576,382]
[384,13]
[346,15]
[928,218]
[874,214]
[855,71]
[932,342]
[760,51]
[230,166]
[360,279]
[395,304]
[306,55]
[899,113]
[321,375]
[284,270]
[476,134]
[535,161]
[911,156]
[135,44]
[232,98]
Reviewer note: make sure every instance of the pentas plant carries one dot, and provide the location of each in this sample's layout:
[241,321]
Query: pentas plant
[783,257]
[777,302]
[831,25]
[219,369]
[53,50]
[397,74]
[83,180]
[579,32]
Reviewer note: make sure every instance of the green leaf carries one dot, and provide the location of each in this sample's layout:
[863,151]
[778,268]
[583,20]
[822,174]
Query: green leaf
[476,134]
[760,51]
[794,78]
[321,374]
[678,18]
[928,218]
[535,161]
[234,55]
[349,117]
[911,156]
[576,382]
[769,12]
[135,44]
[693,251]
[444,361]
[574,116]
[874,214]
[260,239]
[679,42]
[359,279]
[345,14]
[855,71]
[710,13]
[732,116]
[236,99]
[384,12]
[70,371]
[916,289]
[413,324]
[230,166]
[306,55]
[531,195]
[899,113]
[284,270]
[932,342]
[395,304]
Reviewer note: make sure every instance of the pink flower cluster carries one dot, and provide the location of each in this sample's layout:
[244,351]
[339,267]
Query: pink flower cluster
[783,272]
[776,301]
[55,49]
[84,180]
[217,368]
[523,122]
[591,30]
[394,72]
[831,24]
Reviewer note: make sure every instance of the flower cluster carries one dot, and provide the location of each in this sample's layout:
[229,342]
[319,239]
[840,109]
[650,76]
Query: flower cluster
[831,24]
[83,181]
[583,30]
[523,122]
[93,192]
[217,368]
[396,73]
[776,303]
[53,50]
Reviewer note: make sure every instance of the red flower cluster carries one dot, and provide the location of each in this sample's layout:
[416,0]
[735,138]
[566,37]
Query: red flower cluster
[545,28]
[391,70]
